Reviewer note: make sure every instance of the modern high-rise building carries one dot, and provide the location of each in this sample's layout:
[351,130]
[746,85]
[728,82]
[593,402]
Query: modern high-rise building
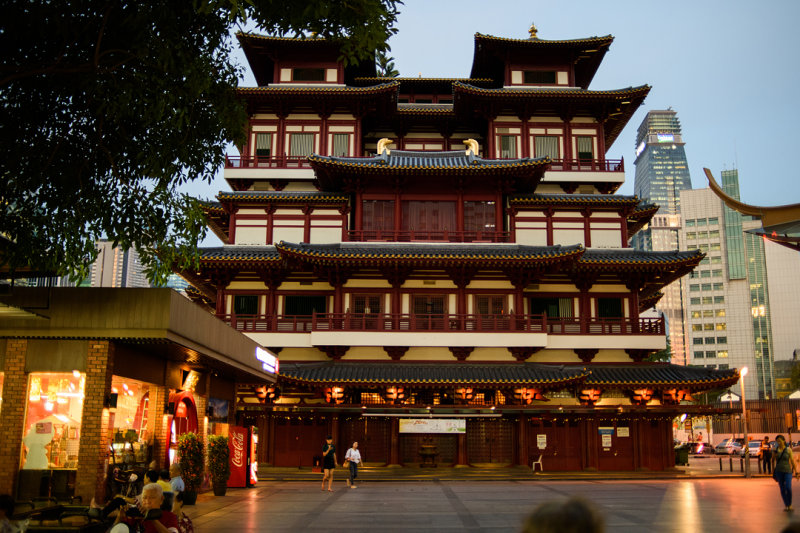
[115,267]
[661,173]
[742,303]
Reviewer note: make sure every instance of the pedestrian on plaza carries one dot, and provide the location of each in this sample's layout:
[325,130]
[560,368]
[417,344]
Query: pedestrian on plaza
[785,466]
[766,455]
[328,462]
[574,515]
[353,456]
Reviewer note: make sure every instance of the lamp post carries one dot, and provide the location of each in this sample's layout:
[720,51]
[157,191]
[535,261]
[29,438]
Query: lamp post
[742,374]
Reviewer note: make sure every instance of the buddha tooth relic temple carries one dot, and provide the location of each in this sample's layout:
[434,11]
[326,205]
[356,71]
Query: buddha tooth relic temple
[443,266]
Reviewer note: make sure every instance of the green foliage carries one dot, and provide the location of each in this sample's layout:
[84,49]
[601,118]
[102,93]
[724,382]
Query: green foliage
[795,378]
[661,356]
[192,460]
[219,459]
[385,66]
[108,107]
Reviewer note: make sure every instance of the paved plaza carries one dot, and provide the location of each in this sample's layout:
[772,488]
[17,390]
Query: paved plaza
[682,505]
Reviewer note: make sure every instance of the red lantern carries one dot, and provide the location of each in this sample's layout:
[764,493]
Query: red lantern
[465,394]
[525,396]
[334,395]
[267,394]
[641,396]
[589,396]
[394,394]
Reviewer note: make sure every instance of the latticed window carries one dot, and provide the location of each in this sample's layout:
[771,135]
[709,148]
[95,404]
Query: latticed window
[341,145]
[609,307]
[245,304]
[585,146]
[428,216]
[378,215]
[547,146]
[263,144]
[301,144]
[479,216]
[366,303]
[553,307]
[508,146]
[297,305]
[490,305]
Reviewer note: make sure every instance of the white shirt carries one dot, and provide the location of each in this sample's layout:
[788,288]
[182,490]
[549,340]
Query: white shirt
[353,455]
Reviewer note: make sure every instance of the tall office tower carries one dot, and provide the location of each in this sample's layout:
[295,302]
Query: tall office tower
[661,173]
[742,302]
[115,267]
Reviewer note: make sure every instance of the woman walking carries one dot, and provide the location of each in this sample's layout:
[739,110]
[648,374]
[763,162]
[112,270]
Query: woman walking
[328,462]
[784,468]
[354,458]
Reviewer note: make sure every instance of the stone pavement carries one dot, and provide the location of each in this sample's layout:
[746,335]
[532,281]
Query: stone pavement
[684,503]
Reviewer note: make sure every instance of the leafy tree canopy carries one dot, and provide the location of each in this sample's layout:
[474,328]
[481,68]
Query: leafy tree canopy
[108,107]
[661,356]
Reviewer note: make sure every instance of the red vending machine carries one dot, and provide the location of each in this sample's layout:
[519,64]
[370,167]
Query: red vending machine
[243,442]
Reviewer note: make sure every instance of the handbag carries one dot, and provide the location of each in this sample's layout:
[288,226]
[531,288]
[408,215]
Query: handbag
[346,463]
[775,470]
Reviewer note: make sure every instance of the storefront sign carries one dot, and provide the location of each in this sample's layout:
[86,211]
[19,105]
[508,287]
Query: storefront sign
[541,441]
[269,362]
[433,425]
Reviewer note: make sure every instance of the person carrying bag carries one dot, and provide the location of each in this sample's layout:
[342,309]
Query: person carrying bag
[353,459]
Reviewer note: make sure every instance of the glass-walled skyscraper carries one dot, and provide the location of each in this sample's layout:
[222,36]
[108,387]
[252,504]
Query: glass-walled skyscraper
[661,173]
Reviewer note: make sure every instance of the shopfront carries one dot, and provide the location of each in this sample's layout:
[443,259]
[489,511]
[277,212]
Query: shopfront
[110,385]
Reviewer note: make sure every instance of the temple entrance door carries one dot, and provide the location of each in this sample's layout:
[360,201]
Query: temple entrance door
[298,440]
[562,451]
[490,440]
[373,437]
[619,455]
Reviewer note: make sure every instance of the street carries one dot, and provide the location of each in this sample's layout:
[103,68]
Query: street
[702,505]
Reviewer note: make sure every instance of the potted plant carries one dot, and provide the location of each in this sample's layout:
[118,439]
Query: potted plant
[192,461]
[219,463]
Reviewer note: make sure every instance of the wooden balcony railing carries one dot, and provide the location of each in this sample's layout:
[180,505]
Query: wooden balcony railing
[387,322]
[275,161]
[588,165]
[428,236]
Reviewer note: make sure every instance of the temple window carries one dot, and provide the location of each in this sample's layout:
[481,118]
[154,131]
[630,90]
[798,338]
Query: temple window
[479,216]
[540,77]
[429,305]
[263,144]
[547,146]
[585,148]
[609,308]
[508,146]
[303,305]
[308,74]
[340,145]
[490,305]
[552,307]
[366,304]
[428,216]
[301,144]
[378,215]
[245,304]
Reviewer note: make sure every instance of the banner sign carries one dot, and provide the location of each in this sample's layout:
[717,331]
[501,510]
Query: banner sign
[541,441]
[433,425]
[237,443]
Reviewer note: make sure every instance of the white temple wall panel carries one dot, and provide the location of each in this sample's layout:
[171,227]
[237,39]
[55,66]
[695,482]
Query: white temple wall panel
[568,237]
[531,237]
[605,238]
[251,234]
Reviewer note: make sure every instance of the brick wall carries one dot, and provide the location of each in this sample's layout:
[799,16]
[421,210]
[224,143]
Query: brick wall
[159,396]
[94,440]
[12,415]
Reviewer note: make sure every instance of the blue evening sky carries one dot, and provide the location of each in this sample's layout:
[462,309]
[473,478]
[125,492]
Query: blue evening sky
[729,69]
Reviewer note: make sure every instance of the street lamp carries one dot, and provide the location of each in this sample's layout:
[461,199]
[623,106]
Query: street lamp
[742,374]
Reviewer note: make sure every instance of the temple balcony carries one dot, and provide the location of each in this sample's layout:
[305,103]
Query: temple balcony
[242,171]
[276,161]
[428,236]
[385,329]
[605,174]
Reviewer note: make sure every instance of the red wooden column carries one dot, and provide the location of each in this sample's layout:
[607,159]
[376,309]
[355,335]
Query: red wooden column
[307,210]
[461,458]
[548,213]
[271,440]
[270,212]
[522,440]
[335,435]
[394,446]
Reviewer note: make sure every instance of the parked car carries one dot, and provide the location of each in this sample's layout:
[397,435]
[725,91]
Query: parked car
[755,448]
[729,447]
[701,448]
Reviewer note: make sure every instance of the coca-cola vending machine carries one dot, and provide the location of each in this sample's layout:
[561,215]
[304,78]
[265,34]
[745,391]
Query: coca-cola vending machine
[243,442]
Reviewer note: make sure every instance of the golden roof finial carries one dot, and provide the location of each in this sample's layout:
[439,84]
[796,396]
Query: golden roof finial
[532,31]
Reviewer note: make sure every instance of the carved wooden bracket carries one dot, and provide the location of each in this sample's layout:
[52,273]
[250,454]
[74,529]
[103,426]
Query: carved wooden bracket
[641,396]
[395,352]
[523,353]
[461,352]
[586,354]
[637,354]
[589,396]
[334,352]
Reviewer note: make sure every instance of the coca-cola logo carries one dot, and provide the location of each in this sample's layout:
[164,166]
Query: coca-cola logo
[237,440]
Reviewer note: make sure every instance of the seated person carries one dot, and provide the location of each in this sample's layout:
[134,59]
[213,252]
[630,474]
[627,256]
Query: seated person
[176,480]
[184,522]
[152,498]
[151,476]
[166,486]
